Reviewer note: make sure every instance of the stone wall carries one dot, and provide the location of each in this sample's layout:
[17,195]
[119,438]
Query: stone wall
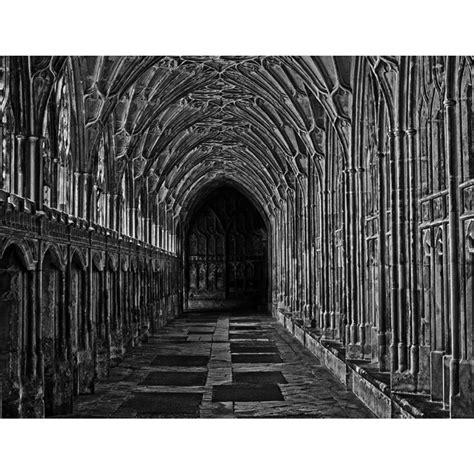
[74,298]
[372,244]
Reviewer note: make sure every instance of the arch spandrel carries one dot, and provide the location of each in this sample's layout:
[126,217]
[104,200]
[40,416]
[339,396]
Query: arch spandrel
[23,251]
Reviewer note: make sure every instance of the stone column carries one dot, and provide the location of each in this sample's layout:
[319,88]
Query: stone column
[148,227]
[361,259]
[39,373]
[31,404]
[292,248]
[310,239]
[301,270]
[309,260]
[114,224]
[286,259]
[333,259]
[18,170]
[394,302]
[93,204]
[381,323]
[107,311]
[353,290]
[133,222]
[76,194]
[275,236]
[412,230]
[89,303]
[400,255]
[347,261]
[280,250]
[324,196]
[453,203]
[31,324]
[39,177]
[86,196]
[63,317]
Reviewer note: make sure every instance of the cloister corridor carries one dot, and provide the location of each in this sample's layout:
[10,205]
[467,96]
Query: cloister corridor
[236,236]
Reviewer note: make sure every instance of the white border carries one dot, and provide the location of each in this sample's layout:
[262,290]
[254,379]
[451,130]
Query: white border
[236,446]
[243,27]
[192,27]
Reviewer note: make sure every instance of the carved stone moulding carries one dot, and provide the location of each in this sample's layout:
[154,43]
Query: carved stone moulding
[25,248]
[468,199]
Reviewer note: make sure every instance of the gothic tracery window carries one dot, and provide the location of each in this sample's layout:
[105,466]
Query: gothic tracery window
[65,169]
[466,117]
[47,170]
[100,183]
[7,141]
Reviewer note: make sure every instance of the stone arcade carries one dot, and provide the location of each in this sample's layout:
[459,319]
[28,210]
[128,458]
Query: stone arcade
[335,192]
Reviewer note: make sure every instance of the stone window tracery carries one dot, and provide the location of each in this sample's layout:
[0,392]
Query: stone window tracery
[432,168]
[432,201]
[225,250]
[65,168]
[7,138]
[100,183]
[47,170]
[466,117]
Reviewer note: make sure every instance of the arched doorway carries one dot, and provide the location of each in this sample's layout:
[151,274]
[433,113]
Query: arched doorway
[226,253]
[15,305]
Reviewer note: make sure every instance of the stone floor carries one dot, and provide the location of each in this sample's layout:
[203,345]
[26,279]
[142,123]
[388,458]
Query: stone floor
[221,365]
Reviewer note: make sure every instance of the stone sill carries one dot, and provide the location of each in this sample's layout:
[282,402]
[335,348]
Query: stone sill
[357,376]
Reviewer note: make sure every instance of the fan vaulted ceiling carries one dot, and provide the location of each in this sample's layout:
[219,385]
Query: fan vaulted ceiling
[182,119]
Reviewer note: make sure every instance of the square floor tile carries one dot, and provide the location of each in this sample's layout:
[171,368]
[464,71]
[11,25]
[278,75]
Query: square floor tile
[259,378]
[242,392]
[242,327]
[180,361]
[247,335]
[238,347]
[184,379]
[256,358]
[164,404]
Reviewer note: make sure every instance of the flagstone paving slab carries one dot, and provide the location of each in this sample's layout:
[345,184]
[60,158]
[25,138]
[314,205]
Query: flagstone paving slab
[220,365]
[272,377]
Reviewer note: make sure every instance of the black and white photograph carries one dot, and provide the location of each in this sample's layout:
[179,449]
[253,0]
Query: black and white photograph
[197,235]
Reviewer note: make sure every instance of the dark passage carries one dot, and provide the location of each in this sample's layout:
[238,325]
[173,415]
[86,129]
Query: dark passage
[226,249]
